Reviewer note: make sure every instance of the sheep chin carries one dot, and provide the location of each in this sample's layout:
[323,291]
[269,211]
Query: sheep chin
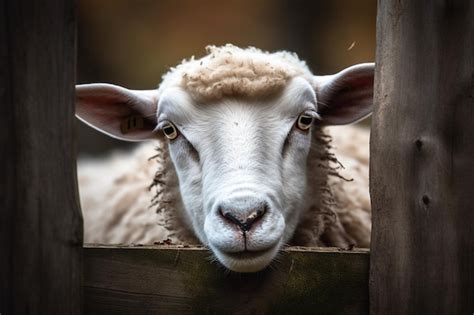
[245,261]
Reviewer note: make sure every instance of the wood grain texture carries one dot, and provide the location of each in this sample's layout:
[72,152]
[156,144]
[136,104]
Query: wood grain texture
[149,280]
[40,219]
[422,159]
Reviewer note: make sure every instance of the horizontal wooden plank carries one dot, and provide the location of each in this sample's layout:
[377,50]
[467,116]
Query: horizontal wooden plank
[170,279]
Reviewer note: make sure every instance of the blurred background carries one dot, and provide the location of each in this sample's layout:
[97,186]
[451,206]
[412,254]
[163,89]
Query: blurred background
[133,42]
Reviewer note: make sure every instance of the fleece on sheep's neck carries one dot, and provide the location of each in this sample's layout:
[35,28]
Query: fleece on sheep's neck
[232,71]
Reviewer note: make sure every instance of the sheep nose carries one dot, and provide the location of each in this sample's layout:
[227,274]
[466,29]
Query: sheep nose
[243,215]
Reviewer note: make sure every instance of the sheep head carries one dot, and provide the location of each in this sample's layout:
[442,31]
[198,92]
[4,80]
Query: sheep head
[239,125]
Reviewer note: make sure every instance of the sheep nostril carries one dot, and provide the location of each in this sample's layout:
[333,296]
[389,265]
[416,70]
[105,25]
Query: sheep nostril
[230,217]
[254,216]
[250,216]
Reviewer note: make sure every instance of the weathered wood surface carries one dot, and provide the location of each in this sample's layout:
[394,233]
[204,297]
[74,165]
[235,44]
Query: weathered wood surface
[422,159]
[149,280]
[40,220]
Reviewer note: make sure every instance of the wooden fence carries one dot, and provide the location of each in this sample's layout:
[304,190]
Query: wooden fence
[422,159]
[40,219]
[422,165]
[144,280]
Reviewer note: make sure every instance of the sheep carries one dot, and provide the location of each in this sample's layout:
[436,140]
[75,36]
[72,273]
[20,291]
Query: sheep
[243,161]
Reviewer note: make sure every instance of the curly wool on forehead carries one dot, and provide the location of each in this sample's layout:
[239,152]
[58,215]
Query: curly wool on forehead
[232,71]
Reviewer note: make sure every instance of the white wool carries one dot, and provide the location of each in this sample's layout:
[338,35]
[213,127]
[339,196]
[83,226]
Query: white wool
[116,199]
[121,206]
[351,147]
[233,71]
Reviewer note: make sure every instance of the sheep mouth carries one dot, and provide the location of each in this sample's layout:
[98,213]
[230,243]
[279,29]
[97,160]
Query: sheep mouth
[248,254]
[247,261]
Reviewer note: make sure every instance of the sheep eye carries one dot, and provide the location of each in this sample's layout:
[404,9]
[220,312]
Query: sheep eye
[170,131]
[305,121]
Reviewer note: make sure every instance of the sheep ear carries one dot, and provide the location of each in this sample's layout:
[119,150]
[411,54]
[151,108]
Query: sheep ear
[118,112]
[347,96]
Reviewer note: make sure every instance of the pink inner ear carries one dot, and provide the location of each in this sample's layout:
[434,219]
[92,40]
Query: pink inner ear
[107,107]
[361,83]
[347,96]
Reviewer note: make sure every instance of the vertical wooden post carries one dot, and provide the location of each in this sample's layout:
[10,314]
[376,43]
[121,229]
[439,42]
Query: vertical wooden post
[422,159]
[40,218]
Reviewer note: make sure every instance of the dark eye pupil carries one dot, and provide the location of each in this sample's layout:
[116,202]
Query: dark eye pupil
[168,130]
[305,120]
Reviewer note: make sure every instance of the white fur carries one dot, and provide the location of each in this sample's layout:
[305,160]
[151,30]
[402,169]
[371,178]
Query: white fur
[239,149]
[127,218]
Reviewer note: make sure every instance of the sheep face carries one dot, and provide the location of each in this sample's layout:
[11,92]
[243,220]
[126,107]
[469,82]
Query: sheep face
[240,156]
[241,167]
